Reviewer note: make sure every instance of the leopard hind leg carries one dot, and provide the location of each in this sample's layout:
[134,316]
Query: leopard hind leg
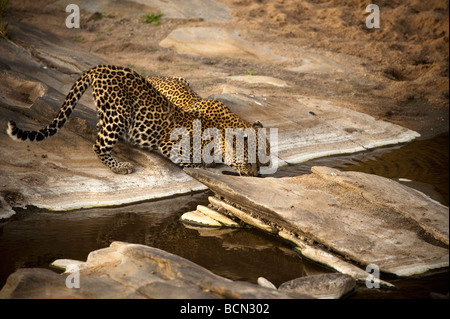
[110,128]
[107,137]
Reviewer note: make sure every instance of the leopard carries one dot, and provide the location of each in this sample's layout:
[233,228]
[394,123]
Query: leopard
[134,108]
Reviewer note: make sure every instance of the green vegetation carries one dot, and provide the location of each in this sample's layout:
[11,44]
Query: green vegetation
[153,18]
[98,16]
[3,26]
[249,72]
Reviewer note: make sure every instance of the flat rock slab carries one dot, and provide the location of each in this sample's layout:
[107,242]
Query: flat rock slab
[258,79]
[364,218]
[216,42]
[64,174]
[126,270]
[318,64]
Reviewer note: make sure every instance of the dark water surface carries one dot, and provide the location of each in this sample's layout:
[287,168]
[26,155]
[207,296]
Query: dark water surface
[38,237]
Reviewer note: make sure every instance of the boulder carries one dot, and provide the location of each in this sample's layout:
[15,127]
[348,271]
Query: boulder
[126,270]
[263,282]
[216,42]
[323,286]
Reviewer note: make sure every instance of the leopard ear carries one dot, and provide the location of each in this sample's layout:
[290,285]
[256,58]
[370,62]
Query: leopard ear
[258,124]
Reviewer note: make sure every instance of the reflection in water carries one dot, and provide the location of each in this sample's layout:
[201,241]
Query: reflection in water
[38,237]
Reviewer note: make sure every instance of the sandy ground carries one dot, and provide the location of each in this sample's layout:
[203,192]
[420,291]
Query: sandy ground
[400,71]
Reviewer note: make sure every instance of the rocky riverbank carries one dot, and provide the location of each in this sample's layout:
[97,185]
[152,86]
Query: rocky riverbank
[126,270]
[311,71]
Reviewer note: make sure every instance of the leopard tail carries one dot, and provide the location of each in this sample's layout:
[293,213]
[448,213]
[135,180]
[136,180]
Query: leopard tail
[70,102]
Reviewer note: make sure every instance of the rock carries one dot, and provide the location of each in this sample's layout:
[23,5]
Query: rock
[126,270]
[367,219]
[6,210]
[245,217]
[19,91]
[197,218]
[225,221]
[263,282]
[318,64]
[407,201]
[36,283]
[323,286]
[258,79]
[68,265]
[47,179]
[205,216]
[216,42]
[63,173]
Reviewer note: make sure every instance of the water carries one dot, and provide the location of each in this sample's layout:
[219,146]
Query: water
[421,164]
[37,237]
